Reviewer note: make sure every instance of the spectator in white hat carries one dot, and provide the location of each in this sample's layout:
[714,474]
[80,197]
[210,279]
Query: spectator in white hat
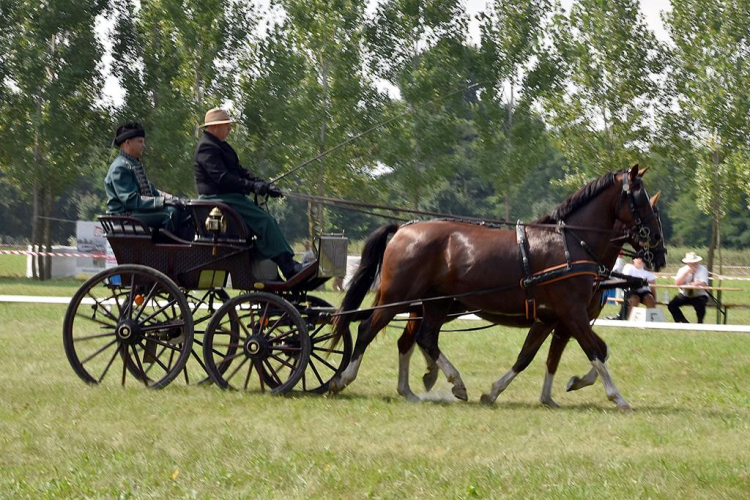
[692,274]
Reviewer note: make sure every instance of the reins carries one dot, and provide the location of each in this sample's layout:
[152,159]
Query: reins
[550,275]
[480,221]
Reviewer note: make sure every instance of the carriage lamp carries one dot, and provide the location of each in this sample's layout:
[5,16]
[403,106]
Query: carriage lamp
[215,222]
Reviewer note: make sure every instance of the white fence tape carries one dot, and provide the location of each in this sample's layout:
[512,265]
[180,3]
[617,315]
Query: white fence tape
[53,254]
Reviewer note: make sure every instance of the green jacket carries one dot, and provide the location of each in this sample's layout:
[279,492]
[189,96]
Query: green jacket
[124,194]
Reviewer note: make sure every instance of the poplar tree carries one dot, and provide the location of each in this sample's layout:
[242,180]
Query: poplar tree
[334,98]
[710,77]
[51,88]
[602,112]
[175,59]
[419,48]
[511,140]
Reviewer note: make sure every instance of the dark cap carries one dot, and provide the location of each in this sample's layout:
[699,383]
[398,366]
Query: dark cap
[127,131]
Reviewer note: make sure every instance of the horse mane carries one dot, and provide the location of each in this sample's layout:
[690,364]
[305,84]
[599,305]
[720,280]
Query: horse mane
[579,199]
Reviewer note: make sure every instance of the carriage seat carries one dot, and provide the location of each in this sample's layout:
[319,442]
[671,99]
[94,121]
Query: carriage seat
[119,227]
[235,231]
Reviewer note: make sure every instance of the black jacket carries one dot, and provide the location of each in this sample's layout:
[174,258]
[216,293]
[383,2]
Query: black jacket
[218,169]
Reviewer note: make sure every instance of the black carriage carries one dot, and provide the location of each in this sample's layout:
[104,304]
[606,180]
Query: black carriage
[164,311]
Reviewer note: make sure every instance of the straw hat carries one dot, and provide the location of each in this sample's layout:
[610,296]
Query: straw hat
[692,258]
[217,116]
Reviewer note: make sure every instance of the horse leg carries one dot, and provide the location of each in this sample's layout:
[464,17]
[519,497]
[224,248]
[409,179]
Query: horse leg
[368,329]
[556,348]
[405,350]
[577,382]
[430,376]
[534,340]
[596,351]
[427,339]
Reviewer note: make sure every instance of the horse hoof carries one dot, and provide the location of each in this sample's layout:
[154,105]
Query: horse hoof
[573,384]
[486,399]
[429,380]
[549,403]
[625,408]
[333,386]
[460,393]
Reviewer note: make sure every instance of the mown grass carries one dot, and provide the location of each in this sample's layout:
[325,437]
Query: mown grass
[687,437]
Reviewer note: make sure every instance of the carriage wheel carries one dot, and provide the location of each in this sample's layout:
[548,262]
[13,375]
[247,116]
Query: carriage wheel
[203,304]
[130,319]
[273,344]
[325,360]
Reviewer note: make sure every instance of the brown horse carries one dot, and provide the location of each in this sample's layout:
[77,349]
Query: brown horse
[560,338]
[444,262]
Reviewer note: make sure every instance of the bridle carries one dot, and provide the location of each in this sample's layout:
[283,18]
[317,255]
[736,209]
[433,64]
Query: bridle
[639,234]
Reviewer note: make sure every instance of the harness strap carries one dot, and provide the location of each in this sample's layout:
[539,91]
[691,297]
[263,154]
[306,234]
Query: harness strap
[523,254]
[561,272]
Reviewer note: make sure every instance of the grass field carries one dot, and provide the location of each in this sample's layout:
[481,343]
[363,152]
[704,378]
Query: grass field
[687,438]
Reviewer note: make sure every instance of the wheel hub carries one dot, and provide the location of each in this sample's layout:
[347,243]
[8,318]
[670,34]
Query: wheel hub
[256,347]
[128,332]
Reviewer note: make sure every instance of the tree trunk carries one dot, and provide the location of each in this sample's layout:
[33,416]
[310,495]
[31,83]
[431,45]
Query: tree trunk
[41,260]
[715,211]
[321,181]
[34,228]
[47,232]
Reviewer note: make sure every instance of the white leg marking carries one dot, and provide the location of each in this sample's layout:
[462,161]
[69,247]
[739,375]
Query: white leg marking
[348,375]
[546,397]
[498,387]
[613,394]
[459,389]
[403,376]
[576,382]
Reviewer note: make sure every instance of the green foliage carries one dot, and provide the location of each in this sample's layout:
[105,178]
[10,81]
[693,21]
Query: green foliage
[601,116]
[174,61]
[418,48]
[51,71]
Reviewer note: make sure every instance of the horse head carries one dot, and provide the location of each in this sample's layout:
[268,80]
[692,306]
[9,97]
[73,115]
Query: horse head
[640,217]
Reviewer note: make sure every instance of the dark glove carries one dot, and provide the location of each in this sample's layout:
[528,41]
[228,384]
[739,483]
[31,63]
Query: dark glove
[260,188]
[274,192]
[174,202]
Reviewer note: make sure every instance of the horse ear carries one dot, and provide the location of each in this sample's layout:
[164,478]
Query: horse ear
[633,173]
[655,198]
[643,172]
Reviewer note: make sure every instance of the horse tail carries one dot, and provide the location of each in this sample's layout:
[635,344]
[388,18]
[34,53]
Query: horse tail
[369,266]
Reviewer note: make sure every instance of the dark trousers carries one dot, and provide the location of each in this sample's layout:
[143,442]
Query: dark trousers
[698,303]
[170,218]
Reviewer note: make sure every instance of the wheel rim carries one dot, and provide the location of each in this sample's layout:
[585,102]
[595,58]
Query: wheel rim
[325,360]
[129,323]
[257,343]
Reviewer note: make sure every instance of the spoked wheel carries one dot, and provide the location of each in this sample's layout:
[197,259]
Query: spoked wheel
[203,304]
[128,320]
[272,349]
[325,360]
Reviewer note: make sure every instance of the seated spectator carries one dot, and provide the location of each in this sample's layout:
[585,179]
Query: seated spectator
[643,295]
[695,275]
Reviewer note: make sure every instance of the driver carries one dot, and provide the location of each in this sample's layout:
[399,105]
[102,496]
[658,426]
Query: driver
[219,176]
[129,192]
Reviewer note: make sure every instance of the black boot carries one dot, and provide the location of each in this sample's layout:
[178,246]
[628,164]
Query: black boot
[287,265]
